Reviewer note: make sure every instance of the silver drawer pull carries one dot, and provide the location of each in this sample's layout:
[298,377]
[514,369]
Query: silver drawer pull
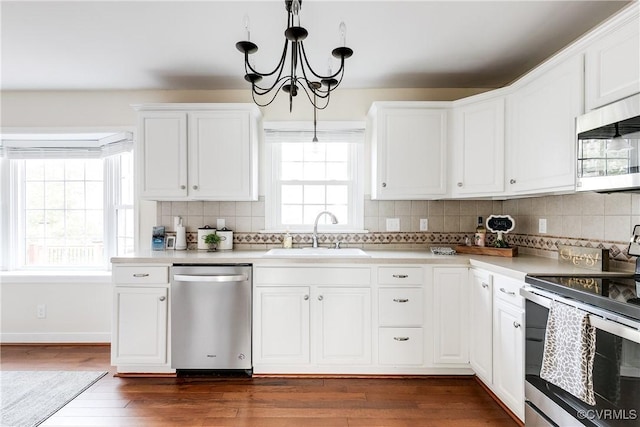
[400,276]
[485,285]
[516,324]
[401,338]
[400,300]
[503,290]
[140,274]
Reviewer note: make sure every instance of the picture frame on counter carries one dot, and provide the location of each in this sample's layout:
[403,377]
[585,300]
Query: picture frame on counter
[170,242]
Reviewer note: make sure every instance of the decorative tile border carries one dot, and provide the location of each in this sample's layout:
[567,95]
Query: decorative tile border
[545,243]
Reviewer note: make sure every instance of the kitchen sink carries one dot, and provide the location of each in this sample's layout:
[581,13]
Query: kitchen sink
[316,253]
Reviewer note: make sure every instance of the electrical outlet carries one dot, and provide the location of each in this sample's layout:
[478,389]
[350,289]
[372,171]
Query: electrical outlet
[542,225]
[41,311]
[393,224]
[424,224]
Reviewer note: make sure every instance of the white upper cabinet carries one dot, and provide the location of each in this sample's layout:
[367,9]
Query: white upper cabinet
[477,138]
[541,130]
[199,151]
[612,64]
[408,150]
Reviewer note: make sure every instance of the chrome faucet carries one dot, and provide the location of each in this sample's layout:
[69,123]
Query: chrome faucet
[314,238]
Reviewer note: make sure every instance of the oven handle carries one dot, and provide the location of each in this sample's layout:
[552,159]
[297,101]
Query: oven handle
[601,319]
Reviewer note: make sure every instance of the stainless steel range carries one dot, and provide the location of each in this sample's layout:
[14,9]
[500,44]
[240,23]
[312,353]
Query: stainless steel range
[613,308]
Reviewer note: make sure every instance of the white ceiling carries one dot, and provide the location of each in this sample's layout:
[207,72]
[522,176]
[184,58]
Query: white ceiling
[109,45]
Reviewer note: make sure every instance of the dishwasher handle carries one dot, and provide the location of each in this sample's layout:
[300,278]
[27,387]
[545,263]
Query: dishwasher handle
[211,278]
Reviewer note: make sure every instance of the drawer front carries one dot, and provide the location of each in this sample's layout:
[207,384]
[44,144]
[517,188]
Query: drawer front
[357,276]
[400,346]
[140,274]
[400,276]
[400,307]
[508,290]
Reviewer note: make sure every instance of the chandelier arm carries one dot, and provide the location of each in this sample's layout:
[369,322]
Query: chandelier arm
[306,61]
[313,103]
[276,93]
[263,91]
[280,65]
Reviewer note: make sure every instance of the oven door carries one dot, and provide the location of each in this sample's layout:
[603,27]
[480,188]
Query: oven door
[616,370]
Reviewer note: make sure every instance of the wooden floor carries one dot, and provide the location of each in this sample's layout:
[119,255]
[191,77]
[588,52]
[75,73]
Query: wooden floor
[257,402]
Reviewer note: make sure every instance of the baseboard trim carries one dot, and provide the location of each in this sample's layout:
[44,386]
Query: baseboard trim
[56,338]
[499,402]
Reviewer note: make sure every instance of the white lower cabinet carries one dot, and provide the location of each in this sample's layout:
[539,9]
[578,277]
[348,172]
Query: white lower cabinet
[481,325]
[139,340]
[497,336]
[450,315]
[401,346]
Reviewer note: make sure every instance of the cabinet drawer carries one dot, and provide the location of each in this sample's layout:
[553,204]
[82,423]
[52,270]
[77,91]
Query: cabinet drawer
[140,274]
[357,276]
[508,290]
[400,346]
[400,276]
[400,306]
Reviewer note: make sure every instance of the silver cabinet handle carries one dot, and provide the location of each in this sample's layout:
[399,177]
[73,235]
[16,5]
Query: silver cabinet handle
[162,298]
[182,187]
[140,274]
[195,187]
[516,324]
[459,184]
[320,297]
[503,290]
[384,184]
[400,276]
[306,297]
[401,338]
[400,300]
[512,181]
[485,285]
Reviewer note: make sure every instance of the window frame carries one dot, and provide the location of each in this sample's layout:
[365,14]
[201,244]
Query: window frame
[272,182]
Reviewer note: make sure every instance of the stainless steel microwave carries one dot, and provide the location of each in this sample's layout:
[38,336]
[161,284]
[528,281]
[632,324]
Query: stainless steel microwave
[608,148]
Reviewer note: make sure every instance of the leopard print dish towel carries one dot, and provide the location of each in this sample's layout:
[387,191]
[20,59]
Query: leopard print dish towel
[569,349]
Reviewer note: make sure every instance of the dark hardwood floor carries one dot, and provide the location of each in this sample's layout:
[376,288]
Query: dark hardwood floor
[257,402]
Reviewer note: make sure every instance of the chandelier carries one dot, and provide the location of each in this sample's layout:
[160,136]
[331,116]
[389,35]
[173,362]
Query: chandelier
[298,75]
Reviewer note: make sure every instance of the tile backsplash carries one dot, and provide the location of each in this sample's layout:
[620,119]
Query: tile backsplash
[581,219]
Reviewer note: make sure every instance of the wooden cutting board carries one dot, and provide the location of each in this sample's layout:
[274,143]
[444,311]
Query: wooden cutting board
[478,250]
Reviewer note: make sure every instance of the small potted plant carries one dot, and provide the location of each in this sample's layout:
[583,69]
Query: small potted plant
[212,240]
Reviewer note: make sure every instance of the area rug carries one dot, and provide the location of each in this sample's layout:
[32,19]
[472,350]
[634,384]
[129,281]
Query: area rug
[28,398]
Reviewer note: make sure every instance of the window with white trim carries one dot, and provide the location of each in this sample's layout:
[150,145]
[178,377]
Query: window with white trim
[310,177]
[71,207]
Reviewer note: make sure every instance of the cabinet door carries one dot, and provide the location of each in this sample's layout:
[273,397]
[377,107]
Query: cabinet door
[451,319]
[612,66]
[409,153]
[541,148]
[221,156]
[281,325]
[140,326]
[478,153]
[481,326]
[508,356]
[162,150]
[342,325]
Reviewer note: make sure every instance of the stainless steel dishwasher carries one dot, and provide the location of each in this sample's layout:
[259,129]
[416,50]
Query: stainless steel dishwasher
[211,318]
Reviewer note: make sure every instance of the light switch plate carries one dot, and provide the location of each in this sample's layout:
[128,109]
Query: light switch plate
[393,224]
[542,225]
[424,224]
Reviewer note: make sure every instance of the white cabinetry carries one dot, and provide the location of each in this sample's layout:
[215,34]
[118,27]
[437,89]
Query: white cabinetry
[612,63]
[198,151]
[312,320]
[450,315]
[481,326]
[401,314]
[478,148]
[408,150]
[541,130]
[140,318]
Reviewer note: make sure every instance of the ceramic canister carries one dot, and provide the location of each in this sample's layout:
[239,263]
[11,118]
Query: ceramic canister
[226,239]
[202,232]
